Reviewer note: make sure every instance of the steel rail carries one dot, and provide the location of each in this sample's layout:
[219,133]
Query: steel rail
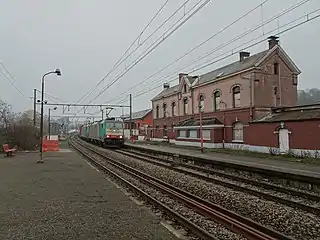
[308,208]
[182,220]
[312,180]
[229,219]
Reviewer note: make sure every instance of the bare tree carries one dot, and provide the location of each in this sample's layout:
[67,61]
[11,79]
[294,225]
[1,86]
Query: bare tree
[309,96]
[17,129]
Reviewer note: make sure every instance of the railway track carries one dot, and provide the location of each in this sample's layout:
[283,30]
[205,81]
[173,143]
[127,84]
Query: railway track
[229,219]
[290,197]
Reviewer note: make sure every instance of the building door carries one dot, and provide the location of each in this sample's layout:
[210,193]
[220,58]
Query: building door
[283,140]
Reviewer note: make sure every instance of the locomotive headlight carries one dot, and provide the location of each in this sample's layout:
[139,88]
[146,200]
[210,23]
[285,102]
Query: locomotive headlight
[120,136]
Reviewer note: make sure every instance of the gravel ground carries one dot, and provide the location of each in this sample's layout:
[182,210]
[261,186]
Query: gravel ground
[212,227]
[64,198]
[287,220]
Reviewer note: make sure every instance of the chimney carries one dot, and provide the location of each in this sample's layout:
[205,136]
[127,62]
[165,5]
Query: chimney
[182,75]
[273,41]
[243,55]
[166,86]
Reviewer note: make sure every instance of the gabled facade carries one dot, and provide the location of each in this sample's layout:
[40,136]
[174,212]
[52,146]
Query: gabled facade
[233,95]
[140,122]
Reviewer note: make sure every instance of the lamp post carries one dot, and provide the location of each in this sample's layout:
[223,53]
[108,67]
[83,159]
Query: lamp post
[200,115]
[58,72]
[49,120]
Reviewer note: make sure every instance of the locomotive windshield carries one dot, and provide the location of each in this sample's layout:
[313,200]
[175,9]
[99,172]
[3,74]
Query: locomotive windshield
[114,125]
[117,125]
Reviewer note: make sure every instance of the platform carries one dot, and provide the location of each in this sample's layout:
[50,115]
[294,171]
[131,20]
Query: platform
[281,165]
[66,198]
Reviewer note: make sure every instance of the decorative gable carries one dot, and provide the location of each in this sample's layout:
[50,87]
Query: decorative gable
[182,81]
[284,57]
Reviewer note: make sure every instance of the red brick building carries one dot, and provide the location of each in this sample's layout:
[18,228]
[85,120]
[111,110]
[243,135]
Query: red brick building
[233,99]
[140,122]
[294,129]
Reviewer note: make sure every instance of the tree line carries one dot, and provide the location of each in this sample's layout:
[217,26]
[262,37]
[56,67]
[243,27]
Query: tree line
[17,129]
[309,96]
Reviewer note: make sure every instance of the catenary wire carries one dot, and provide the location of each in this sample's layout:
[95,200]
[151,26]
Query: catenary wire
[198,46]
[11,79]
[273,18]
[140,58]
[119,61]
[308,19]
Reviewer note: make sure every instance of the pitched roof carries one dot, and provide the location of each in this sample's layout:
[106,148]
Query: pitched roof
[220,72]
[235,67]
[296,113]
[196,122]
[136,115]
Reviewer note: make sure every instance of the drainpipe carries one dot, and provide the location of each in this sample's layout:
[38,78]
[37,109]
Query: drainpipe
[224,123]
[251,95]
[279,80]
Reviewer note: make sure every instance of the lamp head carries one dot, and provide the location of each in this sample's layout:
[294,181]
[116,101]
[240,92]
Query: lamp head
[58,72]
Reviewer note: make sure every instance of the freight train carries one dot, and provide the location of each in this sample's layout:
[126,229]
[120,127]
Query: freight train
[106,133]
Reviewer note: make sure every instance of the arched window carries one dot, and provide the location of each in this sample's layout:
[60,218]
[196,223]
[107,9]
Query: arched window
[216,100]
[275,68]
[157,111]
[236,96]
[173,111]
[164,106]
[185,106]
[238,132]
[201,102]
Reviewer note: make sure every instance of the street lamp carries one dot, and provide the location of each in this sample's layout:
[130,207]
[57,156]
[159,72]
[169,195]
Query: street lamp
[49,123]
[58,72]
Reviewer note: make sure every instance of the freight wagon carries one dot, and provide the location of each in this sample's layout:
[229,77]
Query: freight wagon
[107,132]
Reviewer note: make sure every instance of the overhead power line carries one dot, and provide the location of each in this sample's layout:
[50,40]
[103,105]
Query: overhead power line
[117,64]
[10,79]
[236,39]
[50,96]
[199,45]
[148,51]
[307,19]
[271,19]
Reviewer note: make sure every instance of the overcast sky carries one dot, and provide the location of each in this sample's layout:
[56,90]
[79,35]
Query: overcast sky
[86,38]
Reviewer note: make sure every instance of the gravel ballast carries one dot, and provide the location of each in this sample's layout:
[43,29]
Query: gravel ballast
[65,198]
[292,222]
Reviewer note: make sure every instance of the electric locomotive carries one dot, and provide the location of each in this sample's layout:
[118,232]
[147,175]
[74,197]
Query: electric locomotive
[107,132]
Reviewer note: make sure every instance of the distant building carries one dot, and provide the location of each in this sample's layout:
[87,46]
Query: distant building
[140,122]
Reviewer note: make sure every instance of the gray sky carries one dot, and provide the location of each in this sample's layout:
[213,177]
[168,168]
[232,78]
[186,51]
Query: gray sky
[85,39]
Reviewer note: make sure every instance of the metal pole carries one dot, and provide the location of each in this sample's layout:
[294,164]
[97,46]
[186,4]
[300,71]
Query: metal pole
[49,124]
[34,106]
[41,119]
[201,135]
[130,114]
[102,114]
[200,116]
